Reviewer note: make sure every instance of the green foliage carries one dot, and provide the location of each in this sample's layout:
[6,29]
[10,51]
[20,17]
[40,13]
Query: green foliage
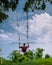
[17,58]
[32,5]
[3,16]
[30,55]
[47,61]
[44,61]
[7,62]
[2,60]
[23,59]
[35,5]
[47,56]
[39,53]
[5,5]
[14,56]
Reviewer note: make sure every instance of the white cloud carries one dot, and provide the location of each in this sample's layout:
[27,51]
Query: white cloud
[39,21]
[8,36]
[4,36]
[41,27]
[1,31]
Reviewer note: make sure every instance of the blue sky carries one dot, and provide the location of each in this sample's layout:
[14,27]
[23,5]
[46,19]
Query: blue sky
[40,28]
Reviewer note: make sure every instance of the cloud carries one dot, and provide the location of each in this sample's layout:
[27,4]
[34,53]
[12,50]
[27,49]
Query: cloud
[40,26]
[40,21]
[1,31]
[8,36]
[4,36]
[40,29]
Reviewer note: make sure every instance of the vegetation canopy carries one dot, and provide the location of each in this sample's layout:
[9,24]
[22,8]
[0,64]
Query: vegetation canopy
[30,5]
[5,5]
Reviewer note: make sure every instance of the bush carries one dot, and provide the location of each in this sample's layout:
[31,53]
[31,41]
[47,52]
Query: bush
[47,56]
[44,61]
[47,61]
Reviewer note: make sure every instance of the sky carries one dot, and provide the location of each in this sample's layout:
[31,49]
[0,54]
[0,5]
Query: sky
[40,29]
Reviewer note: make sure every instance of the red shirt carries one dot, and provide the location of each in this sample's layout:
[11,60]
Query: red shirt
[24,48]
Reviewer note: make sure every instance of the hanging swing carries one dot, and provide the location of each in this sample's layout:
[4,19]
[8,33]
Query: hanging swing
[24,47]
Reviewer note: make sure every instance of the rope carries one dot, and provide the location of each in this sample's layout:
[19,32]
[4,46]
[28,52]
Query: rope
[27,28]
[18,30]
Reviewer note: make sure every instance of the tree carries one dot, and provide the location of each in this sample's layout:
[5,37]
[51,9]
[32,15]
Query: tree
[30,55]
[23,58]
[14,56]
[32,5]
[5,5]
[39,53]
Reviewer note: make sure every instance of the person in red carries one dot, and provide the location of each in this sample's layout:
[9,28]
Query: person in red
[24,48]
